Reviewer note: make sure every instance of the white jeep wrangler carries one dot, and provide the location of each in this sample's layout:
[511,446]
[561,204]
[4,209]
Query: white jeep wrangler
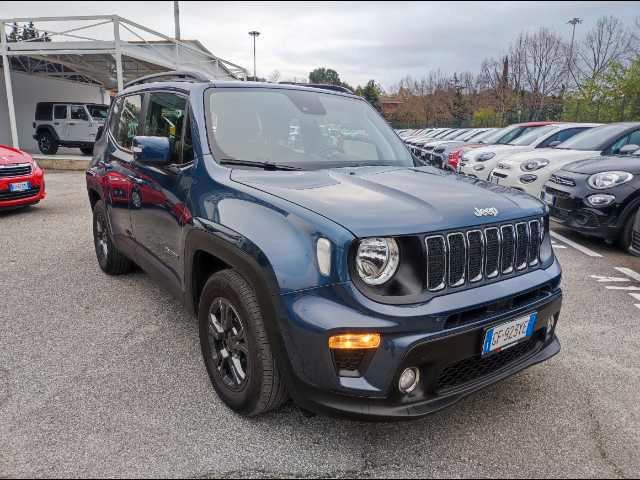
[65,124]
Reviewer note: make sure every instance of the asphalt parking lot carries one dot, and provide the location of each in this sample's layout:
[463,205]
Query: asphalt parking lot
[102,376]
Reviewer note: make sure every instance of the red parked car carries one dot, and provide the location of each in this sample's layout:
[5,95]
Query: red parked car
[21,179]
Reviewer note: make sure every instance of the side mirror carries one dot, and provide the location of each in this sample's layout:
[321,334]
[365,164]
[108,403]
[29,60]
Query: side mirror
[554,144]
[156,150]
[628,149]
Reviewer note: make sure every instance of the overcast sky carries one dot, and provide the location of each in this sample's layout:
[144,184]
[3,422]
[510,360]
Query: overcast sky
[383,41]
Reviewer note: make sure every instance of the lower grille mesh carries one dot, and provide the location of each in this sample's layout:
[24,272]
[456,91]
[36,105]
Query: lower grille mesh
[476,367]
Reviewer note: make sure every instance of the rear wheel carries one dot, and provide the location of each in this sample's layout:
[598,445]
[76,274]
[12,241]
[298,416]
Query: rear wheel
[235,348]
[47,143]
[110,259]
[87,150]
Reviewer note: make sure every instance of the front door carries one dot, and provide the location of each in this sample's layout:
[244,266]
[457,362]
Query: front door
[79,124]
[159,210]
[61,121]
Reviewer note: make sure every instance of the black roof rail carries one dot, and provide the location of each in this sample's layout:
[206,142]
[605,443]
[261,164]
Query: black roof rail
[335,88]
[171,76]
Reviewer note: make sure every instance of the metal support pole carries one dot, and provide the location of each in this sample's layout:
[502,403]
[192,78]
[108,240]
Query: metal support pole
[118,54]
[6,67]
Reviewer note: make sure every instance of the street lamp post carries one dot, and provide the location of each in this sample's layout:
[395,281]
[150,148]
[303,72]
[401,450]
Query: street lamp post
[573,22]
[254,34]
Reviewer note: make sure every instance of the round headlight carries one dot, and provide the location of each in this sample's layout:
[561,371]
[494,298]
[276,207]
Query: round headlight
[532,165]
[486,156]
[603,180]
[377,260]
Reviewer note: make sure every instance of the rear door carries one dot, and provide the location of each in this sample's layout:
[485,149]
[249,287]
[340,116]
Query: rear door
[159,210]
[117,169]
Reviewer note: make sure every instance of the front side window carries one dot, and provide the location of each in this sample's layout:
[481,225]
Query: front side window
[128,120]
[60,112]
[512,134]
[98,112]
[305,129]
[78,113]
[165,118]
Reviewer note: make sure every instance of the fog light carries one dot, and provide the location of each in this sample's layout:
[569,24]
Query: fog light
[478,168]
[354,341]
[409,380]
[600,200]
[528,178]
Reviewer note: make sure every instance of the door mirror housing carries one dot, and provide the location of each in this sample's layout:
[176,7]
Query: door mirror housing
[554,144]
[155,150]
[629,149]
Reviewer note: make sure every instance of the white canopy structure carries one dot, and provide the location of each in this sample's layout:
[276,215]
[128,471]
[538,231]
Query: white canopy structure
[106,51]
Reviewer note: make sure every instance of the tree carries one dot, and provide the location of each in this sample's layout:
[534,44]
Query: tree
[371,93]
[326,76]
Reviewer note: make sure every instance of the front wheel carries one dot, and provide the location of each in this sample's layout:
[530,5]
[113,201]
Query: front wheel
[626,235]
[235,348]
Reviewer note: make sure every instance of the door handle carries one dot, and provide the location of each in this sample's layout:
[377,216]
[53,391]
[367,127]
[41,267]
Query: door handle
[72,123]
[56,123]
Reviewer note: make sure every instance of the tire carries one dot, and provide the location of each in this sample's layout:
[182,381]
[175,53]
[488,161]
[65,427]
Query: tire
[626,235]
[87,150]
[110,259]
[47,143]
[242,332]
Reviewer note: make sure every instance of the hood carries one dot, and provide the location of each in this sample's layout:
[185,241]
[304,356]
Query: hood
[554,155]
[371,201]
[497,148]
[590,166]
[11,156]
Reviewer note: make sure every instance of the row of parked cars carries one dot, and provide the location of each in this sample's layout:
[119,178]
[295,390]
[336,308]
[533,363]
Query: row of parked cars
[587,173]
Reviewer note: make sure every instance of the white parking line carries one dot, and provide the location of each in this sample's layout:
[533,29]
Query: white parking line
[588,252]
[602,279]
[635,295]
[629,273]
[630,288]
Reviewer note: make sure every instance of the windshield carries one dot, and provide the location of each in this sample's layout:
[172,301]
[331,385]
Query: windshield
[300,128]
[493,136]
[593,139]
[530,137]
[98,112]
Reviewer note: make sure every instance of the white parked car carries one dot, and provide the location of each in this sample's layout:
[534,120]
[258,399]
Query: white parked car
[482,161]
[529,171]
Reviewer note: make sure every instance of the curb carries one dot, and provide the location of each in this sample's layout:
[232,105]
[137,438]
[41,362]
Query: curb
[63,164]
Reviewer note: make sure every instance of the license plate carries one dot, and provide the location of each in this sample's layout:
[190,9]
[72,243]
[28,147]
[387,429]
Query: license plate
[507,334]
[19,187]
[548,198]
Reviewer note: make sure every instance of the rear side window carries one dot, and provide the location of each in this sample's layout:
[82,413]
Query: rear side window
[128,119]
[60,112]
[43,111]
[165,117]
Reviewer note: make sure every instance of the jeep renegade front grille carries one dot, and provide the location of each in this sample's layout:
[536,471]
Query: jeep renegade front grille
[461,258]
[15,170]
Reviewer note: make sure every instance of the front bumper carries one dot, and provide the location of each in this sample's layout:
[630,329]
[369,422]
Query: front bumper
[422,336]
[569,207]
[10,200]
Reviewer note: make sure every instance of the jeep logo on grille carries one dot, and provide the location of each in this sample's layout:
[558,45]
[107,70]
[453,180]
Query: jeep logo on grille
[485,212]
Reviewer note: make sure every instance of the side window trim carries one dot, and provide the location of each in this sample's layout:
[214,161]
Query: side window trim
[187,110]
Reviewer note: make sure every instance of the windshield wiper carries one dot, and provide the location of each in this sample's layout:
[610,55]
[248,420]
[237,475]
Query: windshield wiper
[250,163]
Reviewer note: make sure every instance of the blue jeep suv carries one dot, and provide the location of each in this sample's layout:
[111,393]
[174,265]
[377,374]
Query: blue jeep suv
[323,261]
